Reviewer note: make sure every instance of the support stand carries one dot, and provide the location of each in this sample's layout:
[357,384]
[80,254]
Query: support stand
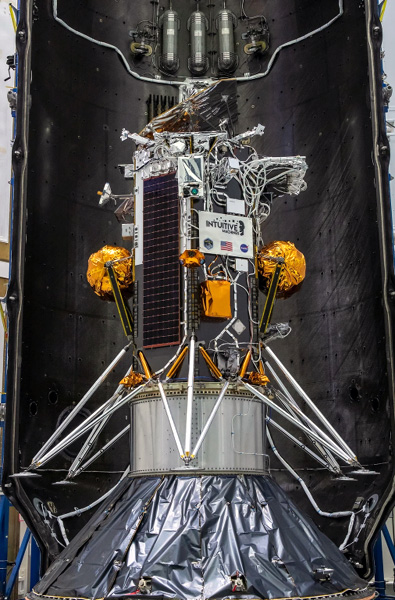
[379,578]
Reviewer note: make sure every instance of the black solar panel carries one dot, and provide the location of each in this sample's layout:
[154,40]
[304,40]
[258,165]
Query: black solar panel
[161,309]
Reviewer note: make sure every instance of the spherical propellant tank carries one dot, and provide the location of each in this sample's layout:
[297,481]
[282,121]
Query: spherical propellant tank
[197,26]
[169,24]
[227,58]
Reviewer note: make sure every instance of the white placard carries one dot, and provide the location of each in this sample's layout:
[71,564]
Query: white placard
[236,206]
[234,163]
[241,265]
[225,234]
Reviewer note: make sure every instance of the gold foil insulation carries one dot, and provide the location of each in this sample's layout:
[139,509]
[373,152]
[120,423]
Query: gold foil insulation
[258,378]
[202,111]
[176,366]
[245,364]
[144,364]
[97,274]
[294,269]
[191,258]
[132,380]
[213,368]
[215,294]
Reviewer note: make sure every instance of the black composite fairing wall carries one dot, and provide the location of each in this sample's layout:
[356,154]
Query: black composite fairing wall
[321,99]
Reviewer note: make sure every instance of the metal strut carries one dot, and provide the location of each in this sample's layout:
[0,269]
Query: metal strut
[80,404]
[86,425]
[191,377]
[271,296]
[289,403]
[313,407]
[210,419]
[171,420]
[123,308]
[324,440]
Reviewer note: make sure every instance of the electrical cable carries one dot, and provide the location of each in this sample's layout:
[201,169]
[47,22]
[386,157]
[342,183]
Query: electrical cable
[178,83]
[79,511]
[243,14]
[382,9]
[111,47]
[291,43]
[333,515]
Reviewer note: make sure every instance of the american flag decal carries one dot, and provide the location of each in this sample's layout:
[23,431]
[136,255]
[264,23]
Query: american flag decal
[227,246]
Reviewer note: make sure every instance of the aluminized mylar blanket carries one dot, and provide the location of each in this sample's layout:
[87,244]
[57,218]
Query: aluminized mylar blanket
[191,535]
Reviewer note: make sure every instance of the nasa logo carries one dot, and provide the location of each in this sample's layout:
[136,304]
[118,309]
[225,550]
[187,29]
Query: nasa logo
[208,244]
[244,248]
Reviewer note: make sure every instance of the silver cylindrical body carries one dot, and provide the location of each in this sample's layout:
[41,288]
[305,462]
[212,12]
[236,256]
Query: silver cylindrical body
[235,442]
[170,24]
[197,25]
[227,58]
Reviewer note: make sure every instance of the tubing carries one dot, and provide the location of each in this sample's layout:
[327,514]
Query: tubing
[291,43]
[86,425]
[182,82]
[111,47]
[191,377]
[313,407]
[290,407]
[80,404]
[171,420]
[298,442]
[335,449]
[333,515]
[92,438]
[102,450]
[78,511]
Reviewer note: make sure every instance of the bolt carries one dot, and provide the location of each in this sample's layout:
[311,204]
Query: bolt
[22,35]
[384,150]
[376,30]
[18,154]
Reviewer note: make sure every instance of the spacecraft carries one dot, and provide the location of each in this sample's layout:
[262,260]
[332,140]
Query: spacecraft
[203,377]
[200,400]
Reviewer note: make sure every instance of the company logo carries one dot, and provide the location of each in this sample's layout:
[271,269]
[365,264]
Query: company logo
[244,248]
[227,225]
[208,244]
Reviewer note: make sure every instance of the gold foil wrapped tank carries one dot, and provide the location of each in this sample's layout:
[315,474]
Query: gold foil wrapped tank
[191,258]
[97,274]
[258,379]
[294,268]
[132,380]
[215,296]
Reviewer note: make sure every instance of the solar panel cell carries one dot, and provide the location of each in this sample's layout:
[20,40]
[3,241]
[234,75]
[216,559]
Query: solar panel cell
[161,307]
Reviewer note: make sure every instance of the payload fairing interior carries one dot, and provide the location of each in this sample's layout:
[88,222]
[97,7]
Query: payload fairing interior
[238,367]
